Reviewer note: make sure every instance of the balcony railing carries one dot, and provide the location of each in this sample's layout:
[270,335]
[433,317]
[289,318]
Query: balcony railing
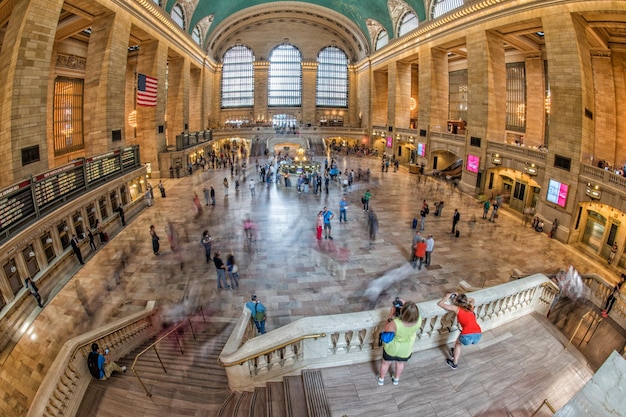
[352,338]
[528,154]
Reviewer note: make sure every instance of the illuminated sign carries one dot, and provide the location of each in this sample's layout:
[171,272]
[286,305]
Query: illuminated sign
[472,163]
[557,193]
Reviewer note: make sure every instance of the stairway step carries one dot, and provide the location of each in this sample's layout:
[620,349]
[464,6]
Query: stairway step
[276,399]
[258,408]
[316,399]
[295,397]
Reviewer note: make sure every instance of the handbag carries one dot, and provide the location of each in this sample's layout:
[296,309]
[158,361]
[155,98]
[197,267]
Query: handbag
[385,337]
[235,269]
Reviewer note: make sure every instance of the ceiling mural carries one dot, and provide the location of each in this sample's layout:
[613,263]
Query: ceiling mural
[357,11]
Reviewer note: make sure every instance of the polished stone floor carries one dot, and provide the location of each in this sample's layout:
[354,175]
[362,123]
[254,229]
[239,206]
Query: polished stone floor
[291,272]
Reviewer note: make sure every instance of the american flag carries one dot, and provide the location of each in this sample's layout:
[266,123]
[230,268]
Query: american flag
[146,90]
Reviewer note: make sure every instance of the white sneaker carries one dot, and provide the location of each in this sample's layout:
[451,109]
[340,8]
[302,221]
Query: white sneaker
[123,369]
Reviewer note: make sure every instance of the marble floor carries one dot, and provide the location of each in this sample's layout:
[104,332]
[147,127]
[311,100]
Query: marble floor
[291,272]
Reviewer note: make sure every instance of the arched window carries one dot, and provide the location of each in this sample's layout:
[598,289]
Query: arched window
[332,78]
[441,7]
[382,39]
[238,77]
[407,23]
[285,76]
[196,35]
[178,16]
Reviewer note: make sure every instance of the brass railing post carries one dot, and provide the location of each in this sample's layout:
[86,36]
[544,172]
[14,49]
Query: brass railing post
[159,357]
[547,404]
[179,345]
[148,393]
[191,327]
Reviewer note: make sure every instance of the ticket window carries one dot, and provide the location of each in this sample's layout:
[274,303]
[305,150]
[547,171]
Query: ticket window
[124,195]
[13,276]
[48,248]
[91,216]
[102,204]
[114,200]
[79,226]
[63,232]
[31,260]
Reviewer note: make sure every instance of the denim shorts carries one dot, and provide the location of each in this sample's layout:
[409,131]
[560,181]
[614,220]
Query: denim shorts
[470,339]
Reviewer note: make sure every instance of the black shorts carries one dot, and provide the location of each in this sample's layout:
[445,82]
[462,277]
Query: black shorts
[394,358]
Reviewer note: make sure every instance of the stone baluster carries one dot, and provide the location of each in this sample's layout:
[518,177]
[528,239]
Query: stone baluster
[342,344]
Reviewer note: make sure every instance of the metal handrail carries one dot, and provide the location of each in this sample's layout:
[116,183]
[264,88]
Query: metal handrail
[153,346]
[547,404]
[266,351]
[594,319]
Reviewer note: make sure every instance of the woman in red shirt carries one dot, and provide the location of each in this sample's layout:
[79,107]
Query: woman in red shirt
[420,252]
[471,332]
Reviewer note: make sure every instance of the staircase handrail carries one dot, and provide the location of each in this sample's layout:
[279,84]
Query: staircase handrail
[352,337]
[154,344]
[62,389]
[266,351]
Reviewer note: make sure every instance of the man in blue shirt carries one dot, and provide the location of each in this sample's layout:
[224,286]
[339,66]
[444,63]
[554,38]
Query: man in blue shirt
[105,365]
[257,310]
[343,207]
[328,216]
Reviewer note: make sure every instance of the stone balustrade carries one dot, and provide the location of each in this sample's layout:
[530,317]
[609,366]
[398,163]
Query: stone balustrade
[64,386]
[346,339]
[598,291]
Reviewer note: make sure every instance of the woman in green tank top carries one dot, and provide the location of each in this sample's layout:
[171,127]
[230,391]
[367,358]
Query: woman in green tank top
[399,350]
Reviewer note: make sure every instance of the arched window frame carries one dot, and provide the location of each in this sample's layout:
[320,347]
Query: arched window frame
[332,78]
[407,23]
[285,77]
[440,7]
[382,39]
[178,15]
[196,35]
[237,88]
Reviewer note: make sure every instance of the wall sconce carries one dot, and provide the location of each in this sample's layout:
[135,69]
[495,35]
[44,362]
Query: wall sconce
[93,209]
[31,254]
[78,219]
[531,169]
[13,269]
[65,228]
[496,159]
[49,240]
[593,191]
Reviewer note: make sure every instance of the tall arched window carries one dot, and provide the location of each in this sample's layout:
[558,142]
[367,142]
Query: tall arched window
[285,76]
[441,7]
[238,77]
[196,35]
[381,40]
[178,16]
[407,23]
[332,78]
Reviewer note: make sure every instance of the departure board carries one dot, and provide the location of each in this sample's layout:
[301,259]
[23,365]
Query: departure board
[16,204]
[57,183]
[103,166]
[128,158]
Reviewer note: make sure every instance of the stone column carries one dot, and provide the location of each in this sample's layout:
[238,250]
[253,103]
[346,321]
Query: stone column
[177,97]
[152,61]
[309,81]
[619,77]
[402,99]
[261,74]
[535,101]
[24,77]
[195,99]
[433,92]
[105,76]
[605,145]
[379,98]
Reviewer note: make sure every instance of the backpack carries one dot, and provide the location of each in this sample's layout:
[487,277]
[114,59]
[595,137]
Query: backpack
[259,312]
[92,364]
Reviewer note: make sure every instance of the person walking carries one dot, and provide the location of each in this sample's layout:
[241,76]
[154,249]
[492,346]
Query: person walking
[430,245]
[612,253]
[92,242]
[423,213]
[212,195]
[486,206]
[206,241]
[76,248]
[155,240]
[494,212]
[225,182]
[343,208]
[420,253]
[400,348]
[207,195]
[328,216]
[416,238]
[149,197]
[611,298]
[220,268]
[161,189]
[251,184]
[258,313]
[366,200]
[30,285]
[463,307]
[319,225]
[232,270]
[455,220]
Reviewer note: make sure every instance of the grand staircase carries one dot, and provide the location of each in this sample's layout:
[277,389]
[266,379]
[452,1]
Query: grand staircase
[196,385]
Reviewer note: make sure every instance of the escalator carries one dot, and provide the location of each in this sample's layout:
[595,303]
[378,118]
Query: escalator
[452,172]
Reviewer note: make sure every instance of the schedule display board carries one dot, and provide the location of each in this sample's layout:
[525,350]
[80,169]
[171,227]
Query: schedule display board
[16,205]
[129,158]
[102,166]
[58,183]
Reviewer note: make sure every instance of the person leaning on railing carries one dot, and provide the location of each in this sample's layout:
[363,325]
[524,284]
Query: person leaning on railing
[471,332]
